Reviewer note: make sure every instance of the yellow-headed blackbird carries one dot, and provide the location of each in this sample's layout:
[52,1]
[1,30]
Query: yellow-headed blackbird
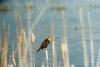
[45,43]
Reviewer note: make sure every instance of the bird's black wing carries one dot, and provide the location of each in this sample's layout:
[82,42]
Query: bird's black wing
[45,43]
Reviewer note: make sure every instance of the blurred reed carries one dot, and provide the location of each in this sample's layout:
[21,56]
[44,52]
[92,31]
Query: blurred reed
[10,65]
[54,57]
[64,43]
[21,39]
[24,48]
[46,53]
[43,65]
[64,52]
[14,58]
[29,41]
[10,61]
[83,38]
[5,43]
[98,59]
[59,65]
[33,57]
[91,39]
[72,65]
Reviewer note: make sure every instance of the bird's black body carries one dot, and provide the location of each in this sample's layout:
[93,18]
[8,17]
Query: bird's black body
[44,44]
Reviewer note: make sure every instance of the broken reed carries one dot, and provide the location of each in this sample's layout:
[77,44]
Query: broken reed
[23,49]
[23,46]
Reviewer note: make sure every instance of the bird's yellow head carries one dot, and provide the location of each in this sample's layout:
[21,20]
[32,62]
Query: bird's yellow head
[50,38]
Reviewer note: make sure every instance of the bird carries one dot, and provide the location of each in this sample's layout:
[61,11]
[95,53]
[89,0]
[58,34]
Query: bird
[45,43]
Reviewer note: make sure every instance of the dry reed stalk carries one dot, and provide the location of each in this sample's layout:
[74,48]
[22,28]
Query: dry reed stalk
[4,62]
[34,61]
[72,65]
[10,65]
[30,34]
[64,42]
[33,40]
[14,58]
[0,50]
[30,41]
[36,21]
[59,64]
[83,39]
[98,59]
[21,48]
[23,40]
[31,58]
[46,53]
[24,48]
[4,47]
[91,39]
[26,57]
[29,5]
[18,20]
[64,50]
[19,51]
[54,57]
[43,65]
[0,43]
[18,27]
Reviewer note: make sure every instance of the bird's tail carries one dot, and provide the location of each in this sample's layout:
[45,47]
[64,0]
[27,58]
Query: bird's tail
[38,50]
